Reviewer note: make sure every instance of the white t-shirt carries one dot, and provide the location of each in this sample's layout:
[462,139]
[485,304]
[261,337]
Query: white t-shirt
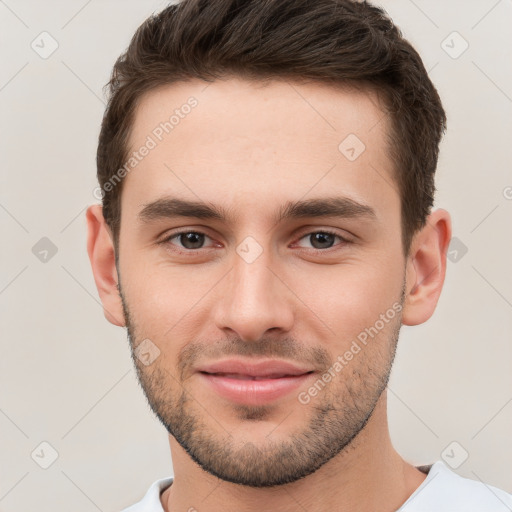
[442,491]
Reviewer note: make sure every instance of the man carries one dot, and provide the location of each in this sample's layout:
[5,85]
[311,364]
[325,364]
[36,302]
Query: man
[267,176]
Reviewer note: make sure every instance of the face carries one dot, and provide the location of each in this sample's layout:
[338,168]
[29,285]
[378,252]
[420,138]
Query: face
[292,253]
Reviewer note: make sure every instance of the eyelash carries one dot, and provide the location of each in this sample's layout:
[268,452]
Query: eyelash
[192,252]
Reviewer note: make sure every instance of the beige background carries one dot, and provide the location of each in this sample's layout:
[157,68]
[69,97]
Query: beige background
[66,377]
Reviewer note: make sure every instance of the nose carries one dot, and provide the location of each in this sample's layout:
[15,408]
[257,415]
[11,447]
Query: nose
[254,299]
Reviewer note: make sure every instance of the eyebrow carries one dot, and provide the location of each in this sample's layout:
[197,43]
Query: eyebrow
[171,207]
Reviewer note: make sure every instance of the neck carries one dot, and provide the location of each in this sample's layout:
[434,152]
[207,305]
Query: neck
[367,475]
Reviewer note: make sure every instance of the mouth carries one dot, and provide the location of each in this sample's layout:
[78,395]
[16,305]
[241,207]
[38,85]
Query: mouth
[251,383]
[246,368]
[240,376]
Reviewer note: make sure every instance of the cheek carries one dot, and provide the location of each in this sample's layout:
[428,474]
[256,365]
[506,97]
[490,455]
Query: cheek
[351,298]
[162,297]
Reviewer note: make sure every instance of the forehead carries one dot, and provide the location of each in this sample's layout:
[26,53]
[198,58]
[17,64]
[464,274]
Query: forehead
[241,142]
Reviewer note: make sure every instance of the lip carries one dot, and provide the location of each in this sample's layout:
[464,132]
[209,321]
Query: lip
[254,383]
[263,368]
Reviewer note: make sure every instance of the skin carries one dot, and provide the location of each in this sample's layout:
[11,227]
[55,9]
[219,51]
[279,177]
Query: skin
[250,148]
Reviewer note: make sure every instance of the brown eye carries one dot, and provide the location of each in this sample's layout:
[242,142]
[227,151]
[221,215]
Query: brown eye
[191,240]
[188,240]
[321,240]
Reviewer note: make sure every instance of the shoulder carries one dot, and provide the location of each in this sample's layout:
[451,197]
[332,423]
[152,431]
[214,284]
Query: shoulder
[445,491]
[151,500]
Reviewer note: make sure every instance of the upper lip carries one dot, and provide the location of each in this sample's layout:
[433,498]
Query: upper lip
[271,368]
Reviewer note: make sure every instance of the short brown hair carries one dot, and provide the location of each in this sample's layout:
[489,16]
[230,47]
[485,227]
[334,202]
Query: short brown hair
[330,41]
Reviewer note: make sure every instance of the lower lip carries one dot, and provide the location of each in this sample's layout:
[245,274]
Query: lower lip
[254,392]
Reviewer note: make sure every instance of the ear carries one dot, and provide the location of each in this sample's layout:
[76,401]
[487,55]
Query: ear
[426,268]
[100,248]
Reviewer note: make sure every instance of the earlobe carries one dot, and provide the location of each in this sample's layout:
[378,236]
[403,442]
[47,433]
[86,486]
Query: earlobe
[426,268]
[102,257]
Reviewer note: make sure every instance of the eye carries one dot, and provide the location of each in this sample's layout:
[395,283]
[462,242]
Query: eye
[192,241]
[321,240]
[188,240]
